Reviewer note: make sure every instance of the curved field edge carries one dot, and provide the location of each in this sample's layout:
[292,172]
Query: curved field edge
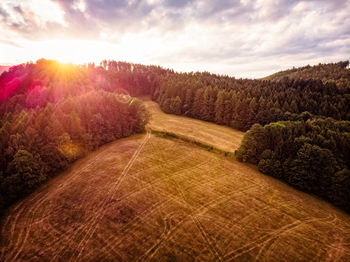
[148,198]
[222,138]
[205,146]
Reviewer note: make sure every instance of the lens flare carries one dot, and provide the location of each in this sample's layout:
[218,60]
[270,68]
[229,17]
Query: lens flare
[71,150]
[123,96]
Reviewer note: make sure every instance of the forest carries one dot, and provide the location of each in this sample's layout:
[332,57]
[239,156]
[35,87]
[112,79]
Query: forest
[298,119]
[325,72]
[240,103]
[312,155]
[52,114]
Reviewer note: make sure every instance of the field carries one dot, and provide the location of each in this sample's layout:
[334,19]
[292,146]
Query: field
[222,137]
[147,198]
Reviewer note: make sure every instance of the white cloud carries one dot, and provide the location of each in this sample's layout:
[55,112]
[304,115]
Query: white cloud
[242,38]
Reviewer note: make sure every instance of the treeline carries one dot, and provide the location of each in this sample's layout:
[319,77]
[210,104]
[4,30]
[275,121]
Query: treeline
[136,79]
[51,115]
[311,155]
[325,72]
[240,103]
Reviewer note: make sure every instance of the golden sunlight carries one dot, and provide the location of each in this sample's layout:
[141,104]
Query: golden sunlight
[72,51]
[71,149]
[85,51]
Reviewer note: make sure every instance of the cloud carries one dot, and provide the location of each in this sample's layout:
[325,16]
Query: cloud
[3,14]
[24,20]
[220,34]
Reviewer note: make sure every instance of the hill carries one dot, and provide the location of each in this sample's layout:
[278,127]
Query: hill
[149,198]
[333,71]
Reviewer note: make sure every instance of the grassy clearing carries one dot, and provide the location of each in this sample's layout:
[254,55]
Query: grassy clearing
[221,137]
[148,198]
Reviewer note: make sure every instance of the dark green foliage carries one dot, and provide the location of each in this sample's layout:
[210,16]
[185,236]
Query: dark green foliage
[270,166]
[312,168]
[312,155]
[339,190]
[333,71]
[22,176]
[53,158]
[240,103]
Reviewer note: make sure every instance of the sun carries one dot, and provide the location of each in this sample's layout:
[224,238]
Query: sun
[71,51]
[128,48]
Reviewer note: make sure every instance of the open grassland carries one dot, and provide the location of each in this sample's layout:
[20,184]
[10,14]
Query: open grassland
[222,137]
[147,198]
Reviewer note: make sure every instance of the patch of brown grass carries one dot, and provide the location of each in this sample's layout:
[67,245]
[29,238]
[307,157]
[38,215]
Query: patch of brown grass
[221,137]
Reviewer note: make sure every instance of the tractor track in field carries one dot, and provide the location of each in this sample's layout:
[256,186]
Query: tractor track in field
[43,198]
[124,198]
[271,236]
[197,212]
[25,231]
[91,227]
[37,201]
[74,176]
[200,227]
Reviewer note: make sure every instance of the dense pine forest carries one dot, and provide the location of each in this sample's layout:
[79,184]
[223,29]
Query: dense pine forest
[312,155]
[298,120]
[240,103]
[333,71]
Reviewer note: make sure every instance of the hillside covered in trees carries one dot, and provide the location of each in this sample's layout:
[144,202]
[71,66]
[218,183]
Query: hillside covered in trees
[240,103]
[52,114]
[338,72]
[311,155]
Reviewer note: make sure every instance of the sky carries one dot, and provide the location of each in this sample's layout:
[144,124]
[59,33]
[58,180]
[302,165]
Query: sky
[246,38]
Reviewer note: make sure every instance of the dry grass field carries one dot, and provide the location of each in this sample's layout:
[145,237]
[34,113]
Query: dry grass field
[222,137]
[147,198]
